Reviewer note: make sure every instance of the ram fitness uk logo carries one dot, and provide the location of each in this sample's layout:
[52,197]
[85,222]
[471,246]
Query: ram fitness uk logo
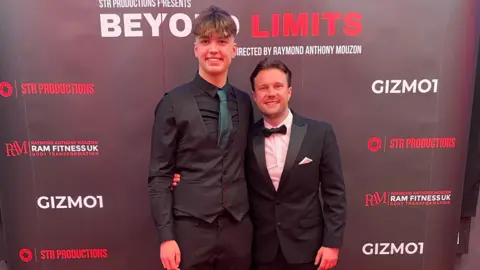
[409,198]
[52,148]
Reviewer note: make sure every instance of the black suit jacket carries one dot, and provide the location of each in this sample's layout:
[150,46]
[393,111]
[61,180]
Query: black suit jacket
[213,181]
[293,217]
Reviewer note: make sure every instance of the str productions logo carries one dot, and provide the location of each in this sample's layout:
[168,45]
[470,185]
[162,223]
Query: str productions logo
[52,148]
[408,198]
[375,144]
[26,255]
[8,89]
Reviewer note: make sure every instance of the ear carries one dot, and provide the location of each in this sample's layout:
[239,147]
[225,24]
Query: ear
[289,93]
[254,96]
[234,50]
[195,49]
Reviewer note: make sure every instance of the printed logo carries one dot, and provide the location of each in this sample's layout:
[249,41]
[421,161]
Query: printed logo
[423,86]
[68,202]
[374,144]
[46,89]
[373,249]
[26,255]
[408,198]
[52,148]
[6,89]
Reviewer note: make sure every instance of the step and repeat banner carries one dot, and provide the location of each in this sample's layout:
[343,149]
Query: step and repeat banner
[80,80]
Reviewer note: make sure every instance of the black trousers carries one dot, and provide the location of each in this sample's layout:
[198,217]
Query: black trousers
[279,263]
[224,244]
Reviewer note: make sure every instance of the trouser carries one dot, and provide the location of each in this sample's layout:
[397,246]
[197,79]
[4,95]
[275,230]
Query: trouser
[279,263]
[224,244]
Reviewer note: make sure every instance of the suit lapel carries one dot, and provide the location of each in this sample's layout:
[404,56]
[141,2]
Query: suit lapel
[242,107]
[192,109]
[299,129]
[259,149]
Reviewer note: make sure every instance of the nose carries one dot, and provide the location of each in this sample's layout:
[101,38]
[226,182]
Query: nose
[271,92]
[213,48]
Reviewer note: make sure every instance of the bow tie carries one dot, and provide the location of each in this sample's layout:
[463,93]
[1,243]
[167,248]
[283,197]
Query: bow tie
[270,131]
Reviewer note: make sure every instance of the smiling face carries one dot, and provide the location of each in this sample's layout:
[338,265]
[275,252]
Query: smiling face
[214,54]
[214,30]
[272,93]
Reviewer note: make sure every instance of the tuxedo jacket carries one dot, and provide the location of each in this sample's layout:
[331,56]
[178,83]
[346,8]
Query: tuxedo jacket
[212,181]
[293,217]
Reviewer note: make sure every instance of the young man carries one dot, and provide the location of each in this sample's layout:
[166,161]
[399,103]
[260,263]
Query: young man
[293,167]
[200,131]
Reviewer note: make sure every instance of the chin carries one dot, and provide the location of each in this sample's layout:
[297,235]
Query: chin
[215,70]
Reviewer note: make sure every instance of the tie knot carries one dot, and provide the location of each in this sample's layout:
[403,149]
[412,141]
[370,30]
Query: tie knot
[222,95]
[270,131]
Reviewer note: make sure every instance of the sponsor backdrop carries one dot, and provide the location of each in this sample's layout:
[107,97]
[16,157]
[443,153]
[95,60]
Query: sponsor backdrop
[80,81]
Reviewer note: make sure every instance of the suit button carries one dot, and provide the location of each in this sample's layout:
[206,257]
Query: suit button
[278,224]
[225,189]
[224,203]
[225,173]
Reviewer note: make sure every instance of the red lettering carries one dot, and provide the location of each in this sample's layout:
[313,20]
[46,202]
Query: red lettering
[256,32]
[305,24]
[397,143]
[315,24]
[331,17]
[14,149]
[104,253]
[6,89]
[290,25]
[29,88]
[452,142]
[353,24]
[47,255]
[275,25]
[375,199]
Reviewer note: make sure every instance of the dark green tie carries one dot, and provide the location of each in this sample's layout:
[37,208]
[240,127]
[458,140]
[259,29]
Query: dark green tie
[224,120]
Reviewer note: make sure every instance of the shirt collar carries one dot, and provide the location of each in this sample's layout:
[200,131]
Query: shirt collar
[287,122]
[209,88]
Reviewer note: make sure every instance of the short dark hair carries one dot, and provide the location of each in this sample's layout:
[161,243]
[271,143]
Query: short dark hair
[267,64]
[214,20]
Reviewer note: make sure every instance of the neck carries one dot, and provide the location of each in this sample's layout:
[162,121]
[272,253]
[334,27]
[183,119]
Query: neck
[219,81]
[275,120]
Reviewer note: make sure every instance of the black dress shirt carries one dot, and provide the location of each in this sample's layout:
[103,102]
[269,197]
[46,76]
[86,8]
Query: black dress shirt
[208,104]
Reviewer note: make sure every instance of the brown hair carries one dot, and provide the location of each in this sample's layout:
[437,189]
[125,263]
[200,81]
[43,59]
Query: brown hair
[214,20]
[267,64]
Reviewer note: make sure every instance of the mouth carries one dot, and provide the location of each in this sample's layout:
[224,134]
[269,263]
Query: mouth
[271,103]
[214,59]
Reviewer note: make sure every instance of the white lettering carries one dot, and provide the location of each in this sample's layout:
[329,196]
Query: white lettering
[111,24]
[403,86]
[187,25]
[67,202]
[392,248]
[130,25]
